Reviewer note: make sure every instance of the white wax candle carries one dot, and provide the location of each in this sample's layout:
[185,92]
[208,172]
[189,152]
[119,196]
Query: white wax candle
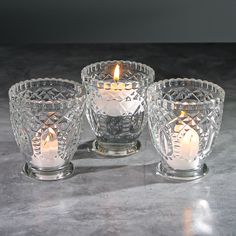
[118,101]
[117,98]
[49,151]
[185,148]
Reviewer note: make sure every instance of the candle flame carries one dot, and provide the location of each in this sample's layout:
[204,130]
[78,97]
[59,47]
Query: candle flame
[50,136]
[183,113]
[116,76]
[49,140]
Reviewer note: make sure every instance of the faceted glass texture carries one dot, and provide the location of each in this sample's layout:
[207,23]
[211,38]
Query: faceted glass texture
[46,121]
[117,110]
[184,119]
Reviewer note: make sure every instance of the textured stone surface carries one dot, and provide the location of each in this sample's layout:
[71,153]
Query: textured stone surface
[119,196]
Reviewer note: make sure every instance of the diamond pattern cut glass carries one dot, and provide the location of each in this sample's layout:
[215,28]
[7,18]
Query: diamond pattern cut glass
[184,120]
[46,121]
[117,109]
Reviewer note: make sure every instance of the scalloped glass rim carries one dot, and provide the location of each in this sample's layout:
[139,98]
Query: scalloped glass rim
[130,84]
[62,102]
[189,105]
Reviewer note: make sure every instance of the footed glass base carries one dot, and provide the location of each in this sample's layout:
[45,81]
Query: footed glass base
[116,149]
[38,174]
[184,175]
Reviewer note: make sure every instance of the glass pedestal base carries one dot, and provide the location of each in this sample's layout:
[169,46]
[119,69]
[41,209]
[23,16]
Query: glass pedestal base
[184,175]
[116,149]
[38,174]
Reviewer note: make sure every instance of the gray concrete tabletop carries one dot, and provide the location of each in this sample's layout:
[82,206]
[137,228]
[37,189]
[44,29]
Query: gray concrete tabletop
[120,196]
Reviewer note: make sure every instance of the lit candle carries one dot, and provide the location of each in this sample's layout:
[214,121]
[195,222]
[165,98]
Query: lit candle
[185,144]
[118,98]
[48,154]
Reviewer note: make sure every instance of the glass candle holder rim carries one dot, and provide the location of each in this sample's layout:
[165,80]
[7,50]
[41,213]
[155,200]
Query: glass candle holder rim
[129,84]
[79,89]
[178,105]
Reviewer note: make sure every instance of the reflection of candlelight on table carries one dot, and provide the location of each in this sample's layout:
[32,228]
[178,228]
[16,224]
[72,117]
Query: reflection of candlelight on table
[48,156]
[202,218]
[187,224]
[185,144]
[117,98]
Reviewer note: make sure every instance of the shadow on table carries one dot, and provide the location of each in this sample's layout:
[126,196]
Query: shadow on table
[102,179]
[104,176]
[84,151]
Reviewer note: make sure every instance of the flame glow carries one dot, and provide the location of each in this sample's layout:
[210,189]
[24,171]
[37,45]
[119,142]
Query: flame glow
[49,140]
[116,76]
[50,136]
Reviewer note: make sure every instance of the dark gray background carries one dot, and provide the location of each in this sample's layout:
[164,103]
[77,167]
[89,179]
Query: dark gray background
[213,62]
[73,21]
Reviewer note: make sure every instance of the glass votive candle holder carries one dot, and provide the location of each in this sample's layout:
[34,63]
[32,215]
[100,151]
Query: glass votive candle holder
[184,120]
[116,104]
[46,121]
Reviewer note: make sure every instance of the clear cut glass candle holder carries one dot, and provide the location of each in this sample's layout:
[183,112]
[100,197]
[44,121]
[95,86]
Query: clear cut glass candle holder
[184,120]
[117,107]
[46,121]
